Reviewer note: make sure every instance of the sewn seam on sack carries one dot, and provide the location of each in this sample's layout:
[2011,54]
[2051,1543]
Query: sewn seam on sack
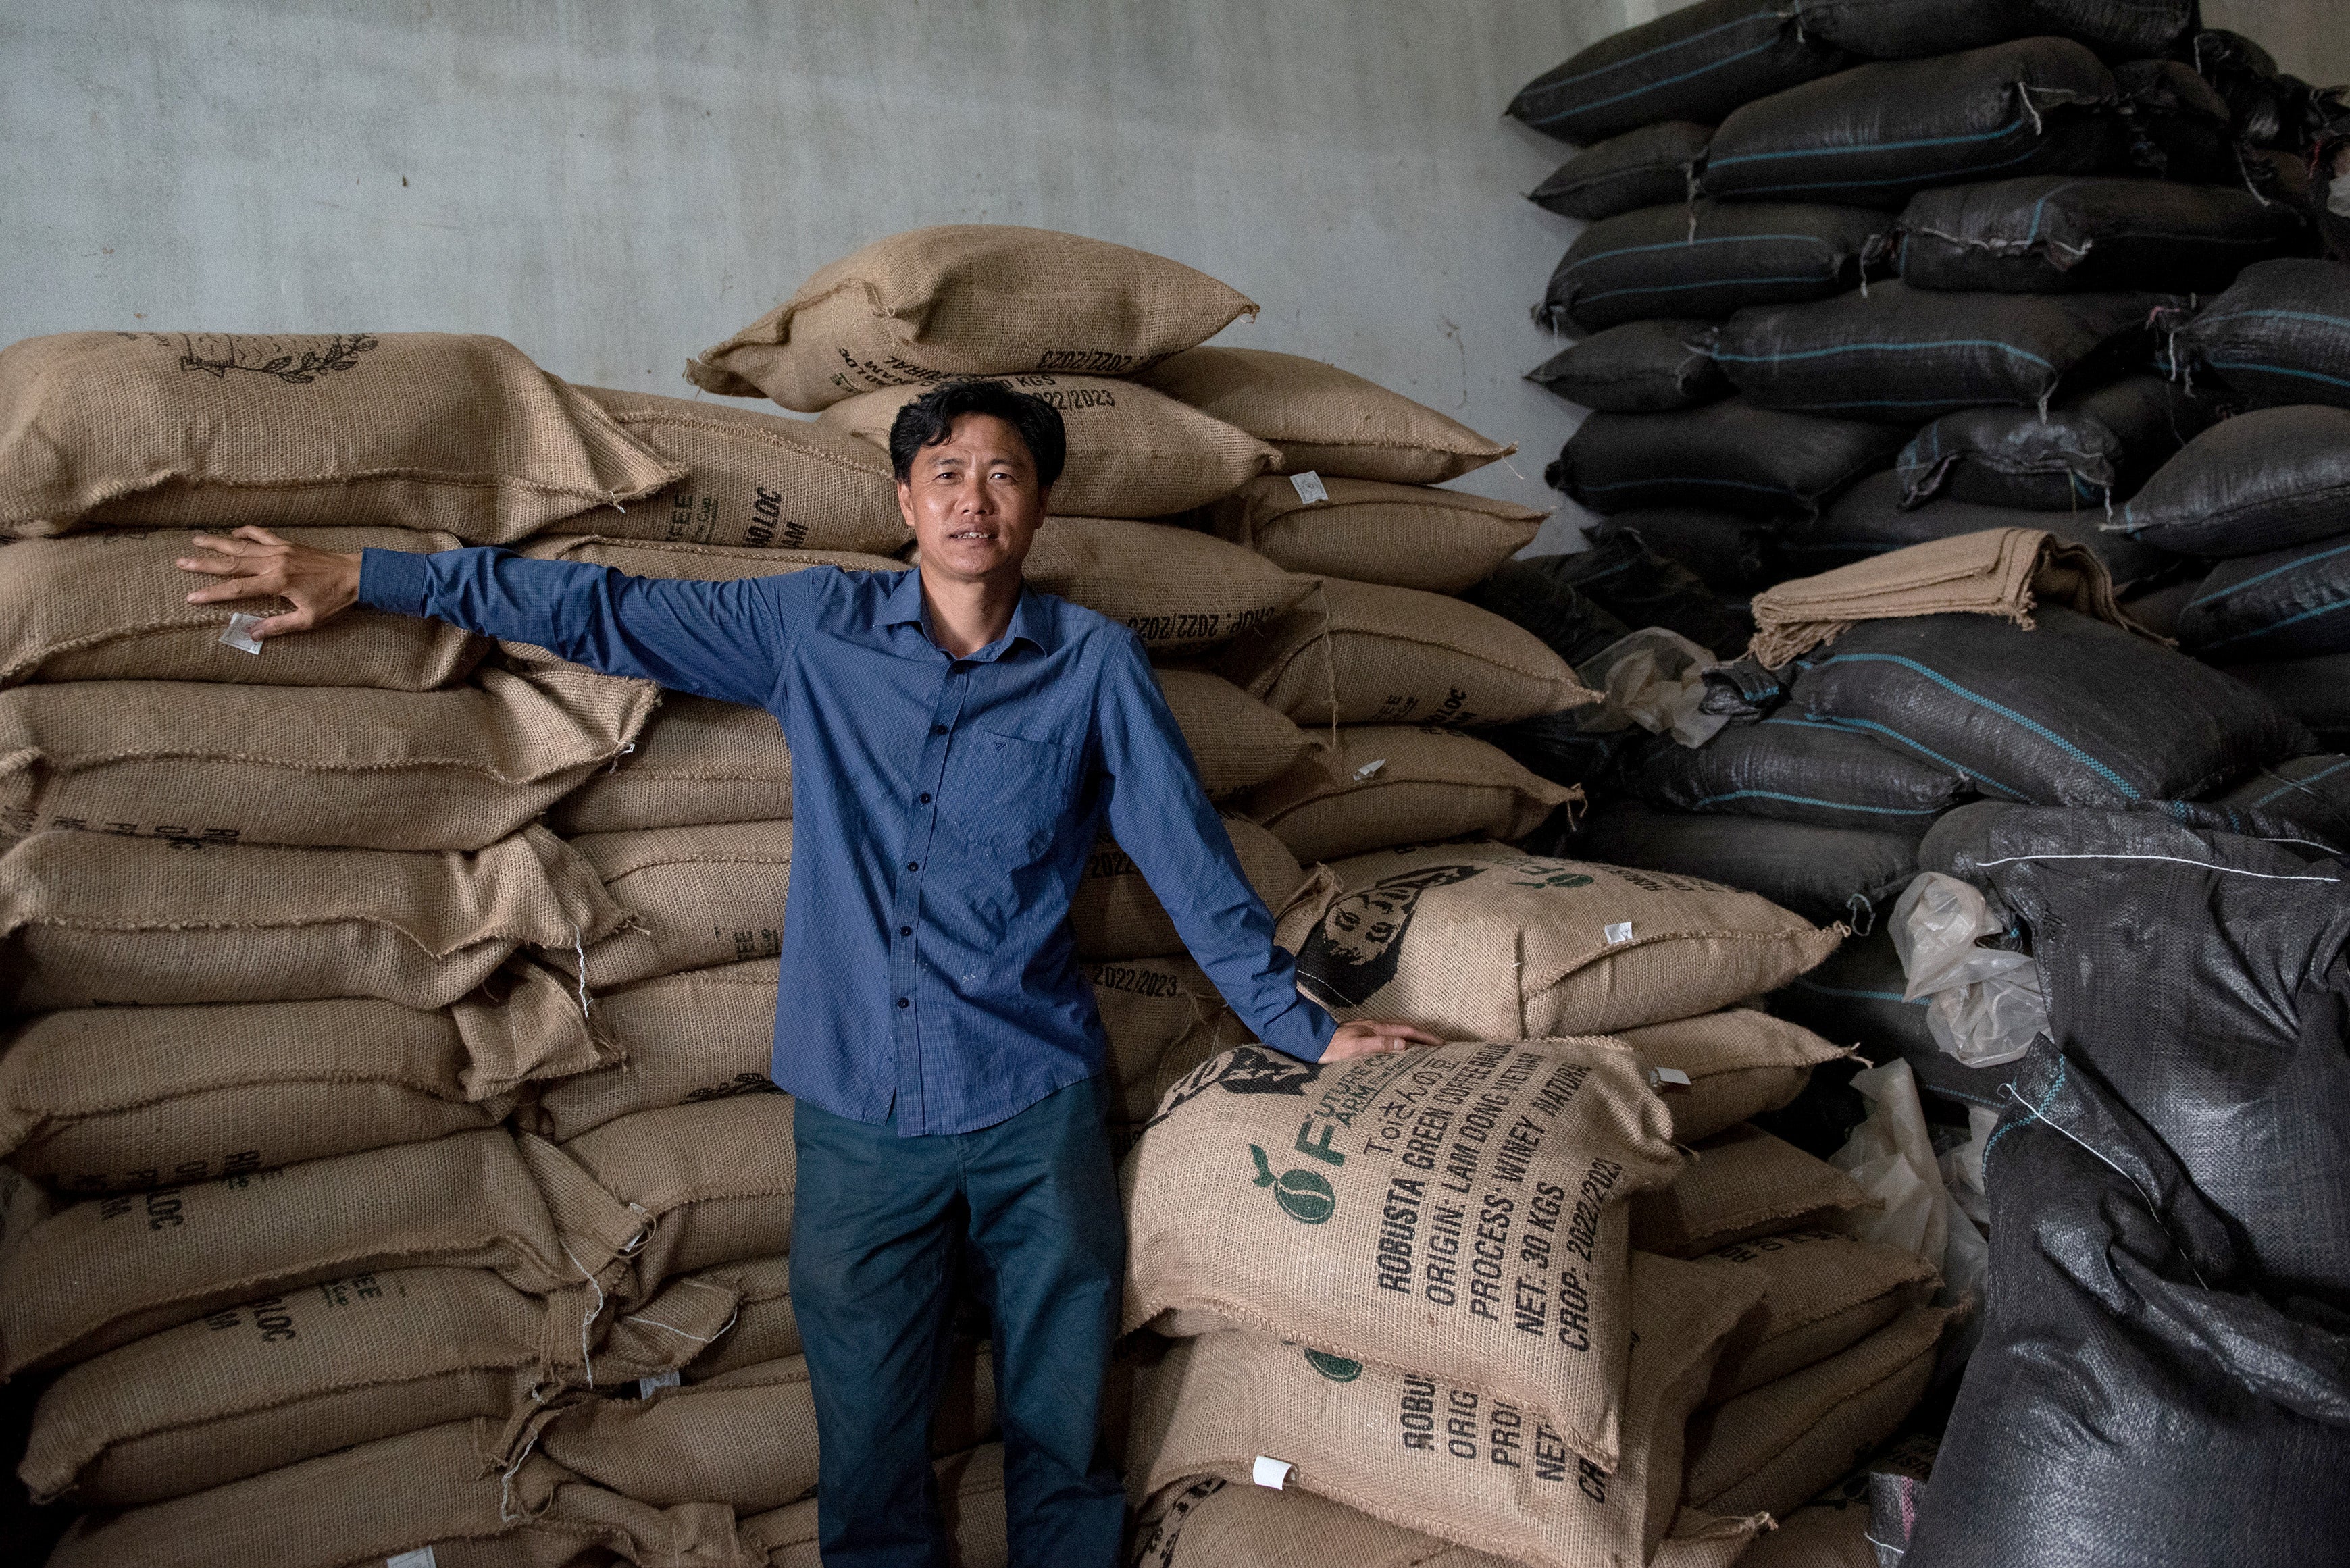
[1924,751]
[2009,714]
[1871,146]
[2272,571]
[2275,370]
[1911,178]
[1811,800]
[2301,785]
[1889,348]
[1681,287]
[2173,859]
[2276,626]
[1689,244]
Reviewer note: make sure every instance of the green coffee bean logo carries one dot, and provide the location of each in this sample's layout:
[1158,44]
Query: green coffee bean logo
[1303,1196]
[1336,1368]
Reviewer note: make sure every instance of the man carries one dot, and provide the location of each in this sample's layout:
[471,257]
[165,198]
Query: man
[956,740]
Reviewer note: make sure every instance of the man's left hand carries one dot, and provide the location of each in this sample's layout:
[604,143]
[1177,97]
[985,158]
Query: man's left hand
[1369,1037]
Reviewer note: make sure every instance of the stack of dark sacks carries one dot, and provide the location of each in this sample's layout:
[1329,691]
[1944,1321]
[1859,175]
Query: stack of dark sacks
[276,912]
[1472,1295]
[2260,504]
[2167,1279]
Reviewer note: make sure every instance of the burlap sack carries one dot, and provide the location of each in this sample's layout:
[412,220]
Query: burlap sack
[1741,1184]
[107,1272]
[1822,1293]
[286,1377]
[1236,741]
[1162,1017]
[970,1507]
[24,1204]
[208,429]
[681,1039]
[443,1487]
[2004,572]
[1132,453]
[1445,1460]
[1476,940]
[695,562]
[1117,916]
[319,767]
[1377,786]
[119,1099]
[1207,1522]
[1832,1530]
[968,299]
[697,760]
[1324,418]
[1404,535]
[112,606]
[698,896]
[713,1181]
[705,1324]
[1453,1210]
[1356,653]
[93,919]
[751,479]
[746,1440]
[1177,590]
[1770,1449]
[1740,1063]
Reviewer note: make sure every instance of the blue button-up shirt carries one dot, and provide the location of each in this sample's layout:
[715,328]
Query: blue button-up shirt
[942,811]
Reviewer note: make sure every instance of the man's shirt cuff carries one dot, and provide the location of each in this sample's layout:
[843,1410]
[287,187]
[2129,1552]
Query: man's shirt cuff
[395,580]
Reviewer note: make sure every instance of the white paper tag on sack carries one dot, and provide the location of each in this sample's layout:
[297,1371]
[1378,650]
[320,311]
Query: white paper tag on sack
[1367,769]
[238,634]
[1273,1473]
[1309,487]
[1668,1078]
[420,1558]
[1621,931]
[648,1387]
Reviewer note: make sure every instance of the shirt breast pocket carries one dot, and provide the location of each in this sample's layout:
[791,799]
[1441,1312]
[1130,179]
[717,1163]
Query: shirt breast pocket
[1007,797]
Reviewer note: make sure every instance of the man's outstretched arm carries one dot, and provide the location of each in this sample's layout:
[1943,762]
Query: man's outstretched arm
[1162,818]
[715,640]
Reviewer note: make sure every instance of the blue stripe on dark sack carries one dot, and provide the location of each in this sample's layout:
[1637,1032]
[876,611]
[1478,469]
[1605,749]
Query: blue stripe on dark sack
[2280,605]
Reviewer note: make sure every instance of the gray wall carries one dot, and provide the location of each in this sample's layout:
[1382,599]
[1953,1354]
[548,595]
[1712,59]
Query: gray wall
[614,184]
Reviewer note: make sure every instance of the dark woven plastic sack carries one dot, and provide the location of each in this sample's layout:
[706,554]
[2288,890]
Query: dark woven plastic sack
[1797,770]
[2288,604]
[2314,690]
[2060,234]
[1823,874]
[1729,553]
[2269,108]
[2311,795]
[1856,999]
[1638,368]
[1696,64]
[1641,588]
[1871,519]
[1904,29]
[2179,127]
[1904,355]
[1730,455]
[1876,134]
[1706,260]
[2086,451]
[2136,1397]
[1546,604]
[2281,334]
[1646,167]
[2263,481]
[2073,713]
[2202,977]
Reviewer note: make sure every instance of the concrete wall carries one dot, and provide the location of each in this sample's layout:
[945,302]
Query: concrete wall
[614,184]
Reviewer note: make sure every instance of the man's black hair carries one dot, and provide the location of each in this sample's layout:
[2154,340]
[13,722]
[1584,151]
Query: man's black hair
[930,419]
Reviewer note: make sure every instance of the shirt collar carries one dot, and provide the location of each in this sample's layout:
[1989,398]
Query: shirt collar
[1032,620]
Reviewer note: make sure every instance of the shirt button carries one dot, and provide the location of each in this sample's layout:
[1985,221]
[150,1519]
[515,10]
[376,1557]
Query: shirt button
[913,866]
[926,800]
[904,1003]
[905,930]
[937,729]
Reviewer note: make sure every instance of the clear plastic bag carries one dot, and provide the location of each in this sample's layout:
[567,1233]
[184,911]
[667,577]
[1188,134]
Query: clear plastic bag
[1891,1155]
[1650,679]
[1983,1006]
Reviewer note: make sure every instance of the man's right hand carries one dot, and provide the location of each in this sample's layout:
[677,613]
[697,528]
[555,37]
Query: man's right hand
[253,563]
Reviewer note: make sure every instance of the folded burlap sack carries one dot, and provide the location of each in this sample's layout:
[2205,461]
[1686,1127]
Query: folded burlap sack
[431,431]
[696,896]
[712,1181]
[1822,1291]
[968,299]
[121,1099]
[681,1039]
[1399,1168]
[1741,1184]
[697,760]
[1736,1064]
[1379,785]
[1449,1462]
[2004,572]
[1405,536]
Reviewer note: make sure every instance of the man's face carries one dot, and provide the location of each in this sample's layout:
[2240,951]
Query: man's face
[973,501]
